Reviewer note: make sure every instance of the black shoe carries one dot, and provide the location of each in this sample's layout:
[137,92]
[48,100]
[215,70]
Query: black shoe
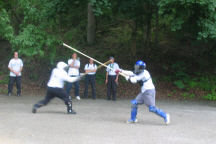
[18,95]
[71,112]
[34,110]
[114,100]
[108,99]
[94,98]
[9,94]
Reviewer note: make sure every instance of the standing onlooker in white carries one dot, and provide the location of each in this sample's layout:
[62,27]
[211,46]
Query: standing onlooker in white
[15,66]
[91,69]
[74,65]
[112,79]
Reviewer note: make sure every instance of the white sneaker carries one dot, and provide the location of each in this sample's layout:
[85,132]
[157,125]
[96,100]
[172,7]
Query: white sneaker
[131,121]
[167,119]
[78,97]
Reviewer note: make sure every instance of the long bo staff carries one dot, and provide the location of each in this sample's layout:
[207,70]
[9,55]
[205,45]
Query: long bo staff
[100,66]
[90,58]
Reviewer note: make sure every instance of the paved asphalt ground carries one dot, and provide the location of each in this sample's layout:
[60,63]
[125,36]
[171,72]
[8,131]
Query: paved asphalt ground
[104,122]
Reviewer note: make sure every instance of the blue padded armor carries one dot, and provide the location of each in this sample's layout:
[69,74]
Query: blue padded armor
[157,111]
[134,108]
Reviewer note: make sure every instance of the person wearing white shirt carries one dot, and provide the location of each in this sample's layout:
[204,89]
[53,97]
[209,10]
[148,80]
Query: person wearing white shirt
[147,94]
[112,79]
[74,65]
[90,69]
[55,88]
[15,66]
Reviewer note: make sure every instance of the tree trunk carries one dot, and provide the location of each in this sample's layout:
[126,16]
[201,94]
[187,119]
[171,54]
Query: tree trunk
[133,40]
[148,39]
[90,25]
[143,42]
[156,32]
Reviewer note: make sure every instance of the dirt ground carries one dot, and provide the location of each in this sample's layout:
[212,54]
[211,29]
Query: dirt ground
[100,121]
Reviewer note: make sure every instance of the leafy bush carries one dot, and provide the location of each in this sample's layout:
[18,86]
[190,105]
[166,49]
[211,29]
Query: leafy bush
[205,83]
[167,78]
[191,96]
[182,80]
[2,90]
[123,80]
[211,96]
[154,79]
[35,77]
[192,84]
[179,69]
[100,77]
[169,95]
[179,84]
[5,80]
[184,95]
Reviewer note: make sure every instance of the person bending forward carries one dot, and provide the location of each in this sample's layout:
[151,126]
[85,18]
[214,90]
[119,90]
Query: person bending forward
[55,87]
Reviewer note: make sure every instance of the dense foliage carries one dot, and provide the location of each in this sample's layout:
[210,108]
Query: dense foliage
[196,17]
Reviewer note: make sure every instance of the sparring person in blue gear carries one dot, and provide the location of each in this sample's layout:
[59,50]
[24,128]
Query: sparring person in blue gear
[147,94]
[55,87]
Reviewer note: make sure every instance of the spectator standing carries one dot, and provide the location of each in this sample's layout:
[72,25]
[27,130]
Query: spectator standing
[112,79]
[74,65]
[15,66]
[91,69]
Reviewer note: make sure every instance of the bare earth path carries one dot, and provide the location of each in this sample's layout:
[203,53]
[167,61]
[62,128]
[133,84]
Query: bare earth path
[104,122]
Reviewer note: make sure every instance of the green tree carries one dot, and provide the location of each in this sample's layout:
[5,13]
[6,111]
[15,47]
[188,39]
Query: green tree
[6,30]
[140,14]
[95,8]
[40,26]
[196,18]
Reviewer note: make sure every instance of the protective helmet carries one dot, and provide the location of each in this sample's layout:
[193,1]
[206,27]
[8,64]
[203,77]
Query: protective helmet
[141,63]
[62,66]
[139,67]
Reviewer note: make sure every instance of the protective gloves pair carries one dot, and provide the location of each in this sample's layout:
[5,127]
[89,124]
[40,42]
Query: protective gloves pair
[132,78]
[117,71]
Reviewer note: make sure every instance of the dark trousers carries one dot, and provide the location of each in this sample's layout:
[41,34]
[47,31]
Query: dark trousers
[54,92]
[69,86]
[91,79]
[111,85]
[11,83]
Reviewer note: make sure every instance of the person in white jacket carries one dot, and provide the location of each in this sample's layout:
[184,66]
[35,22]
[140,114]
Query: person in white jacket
[55,87]
[147,94]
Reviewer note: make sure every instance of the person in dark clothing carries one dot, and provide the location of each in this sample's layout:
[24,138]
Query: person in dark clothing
[112,79]
[15,66]
[91,69]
